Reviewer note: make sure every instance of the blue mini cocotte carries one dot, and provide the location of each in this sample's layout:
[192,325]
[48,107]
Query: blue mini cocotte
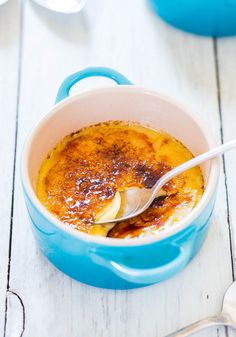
[107,262]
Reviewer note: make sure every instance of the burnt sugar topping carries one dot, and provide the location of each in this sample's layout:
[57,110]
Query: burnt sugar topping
[82,174]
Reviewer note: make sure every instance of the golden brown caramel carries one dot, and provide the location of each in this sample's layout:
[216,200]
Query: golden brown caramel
[82,174]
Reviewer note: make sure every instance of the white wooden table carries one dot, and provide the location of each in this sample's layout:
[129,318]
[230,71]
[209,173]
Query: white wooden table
[37,50]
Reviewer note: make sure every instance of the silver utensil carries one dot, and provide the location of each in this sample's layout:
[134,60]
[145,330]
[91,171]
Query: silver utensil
[137,200]
[227,316]
[62,6]
[2,2]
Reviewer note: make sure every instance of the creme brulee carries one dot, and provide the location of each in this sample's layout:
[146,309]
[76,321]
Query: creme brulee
[80,179]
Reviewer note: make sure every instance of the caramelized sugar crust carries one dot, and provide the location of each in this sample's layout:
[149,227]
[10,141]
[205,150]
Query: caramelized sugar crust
[82,174]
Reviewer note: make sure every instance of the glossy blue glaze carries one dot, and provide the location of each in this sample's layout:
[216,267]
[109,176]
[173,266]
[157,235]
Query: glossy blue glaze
[204,17]
[109,266]
[122,267]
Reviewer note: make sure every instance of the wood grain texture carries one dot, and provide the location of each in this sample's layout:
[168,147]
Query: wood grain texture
[9,62]
[127,36]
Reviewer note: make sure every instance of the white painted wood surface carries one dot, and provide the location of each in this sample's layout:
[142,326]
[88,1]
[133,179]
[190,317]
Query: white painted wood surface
[127,36]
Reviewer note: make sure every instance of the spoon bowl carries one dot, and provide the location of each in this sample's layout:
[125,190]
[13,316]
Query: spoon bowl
[62,6]
[229,306]
[227,316]
[3,2]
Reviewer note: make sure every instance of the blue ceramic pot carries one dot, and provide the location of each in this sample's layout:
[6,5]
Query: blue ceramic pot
[205,17]
[106,262]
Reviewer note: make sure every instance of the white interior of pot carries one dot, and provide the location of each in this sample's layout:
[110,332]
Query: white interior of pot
[116,103]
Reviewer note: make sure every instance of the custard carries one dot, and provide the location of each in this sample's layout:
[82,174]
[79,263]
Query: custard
[83,175]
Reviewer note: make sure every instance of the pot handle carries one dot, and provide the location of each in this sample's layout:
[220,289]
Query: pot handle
[72,79]
[149,275]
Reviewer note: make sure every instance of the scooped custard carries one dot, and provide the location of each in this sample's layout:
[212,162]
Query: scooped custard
[83,177]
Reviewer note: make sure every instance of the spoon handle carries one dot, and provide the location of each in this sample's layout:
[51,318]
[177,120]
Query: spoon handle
[197,326]
[194,162]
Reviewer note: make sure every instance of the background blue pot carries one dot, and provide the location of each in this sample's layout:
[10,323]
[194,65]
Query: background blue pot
[204,17]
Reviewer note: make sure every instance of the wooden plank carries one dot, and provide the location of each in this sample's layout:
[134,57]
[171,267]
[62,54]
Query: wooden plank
[130,38]
[9,50]
[227,80]
[225,51]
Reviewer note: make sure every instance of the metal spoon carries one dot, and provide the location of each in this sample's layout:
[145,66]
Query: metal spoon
[227,316]
[2,2]
[139,199]
[62,6]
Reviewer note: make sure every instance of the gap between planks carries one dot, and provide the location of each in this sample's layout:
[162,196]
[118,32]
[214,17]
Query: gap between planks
[218,88]
[14,175]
